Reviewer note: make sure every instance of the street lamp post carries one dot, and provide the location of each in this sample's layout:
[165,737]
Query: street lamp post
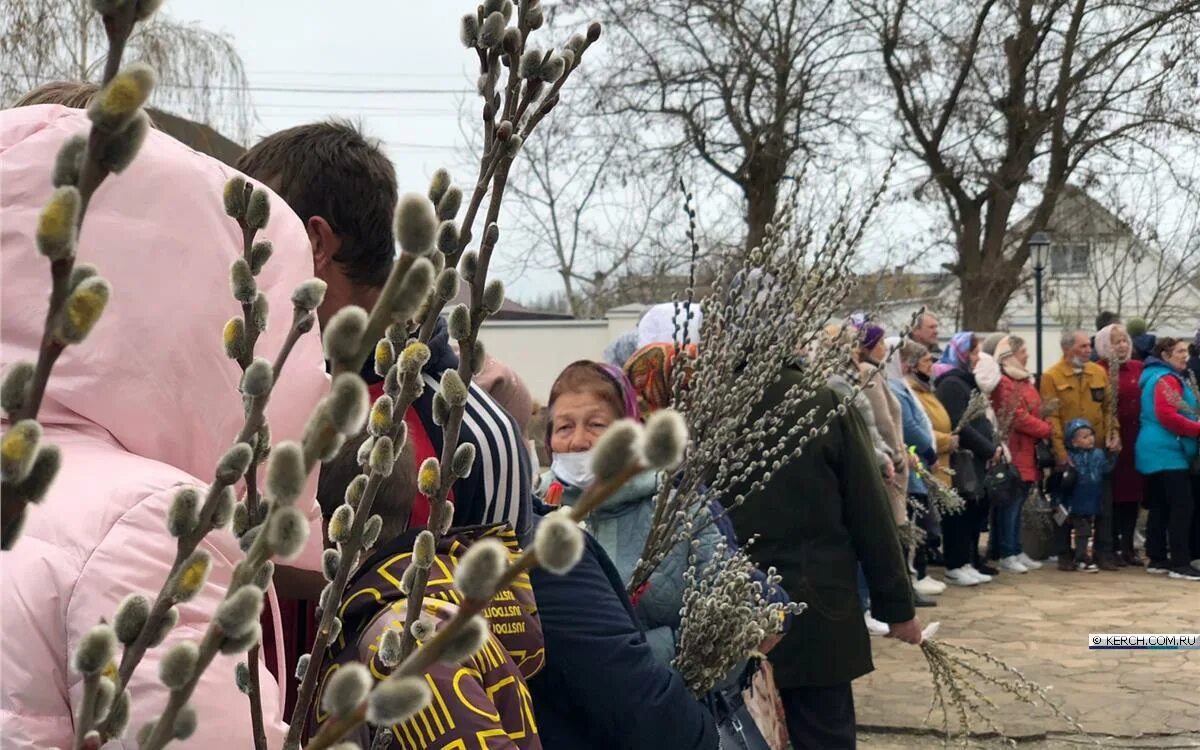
[1039,251]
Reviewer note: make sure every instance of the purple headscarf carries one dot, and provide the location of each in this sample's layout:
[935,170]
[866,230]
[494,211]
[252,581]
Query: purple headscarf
[957,354]
[871,335]
[624,387]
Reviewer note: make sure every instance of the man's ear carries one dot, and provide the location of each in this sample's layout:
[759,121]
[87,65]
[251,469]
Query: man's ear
[325,244]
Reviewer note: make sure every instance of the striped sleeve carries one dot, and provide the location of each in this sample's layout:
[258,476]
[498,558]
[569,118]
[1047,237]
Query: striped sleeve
[501,460]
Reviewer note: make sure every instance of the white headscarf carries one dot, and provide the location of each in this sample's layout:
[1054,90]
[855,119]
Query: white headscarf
[660,322]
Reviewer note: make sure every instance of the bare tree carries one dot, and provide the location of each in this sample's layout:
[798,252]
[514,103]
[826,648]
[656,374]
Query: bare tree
[591,215]
[201,75]
[1006,102]
[747,87]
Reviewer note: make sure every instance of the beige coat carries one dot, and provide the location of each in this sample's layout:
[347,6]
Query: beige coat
[889,421]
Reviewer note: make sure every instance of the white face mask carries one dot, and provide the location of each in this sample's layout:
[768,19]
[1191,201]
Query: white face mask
[573,468]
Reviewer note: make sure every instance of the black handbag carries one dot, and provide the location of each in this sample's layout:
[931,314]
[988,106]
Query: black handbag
[736,729]
[1043,454]
[1003,483]
[967,480]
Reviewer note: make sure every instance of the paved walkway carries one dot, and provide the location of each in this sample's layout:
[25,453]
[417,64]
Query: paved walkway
[1038,623]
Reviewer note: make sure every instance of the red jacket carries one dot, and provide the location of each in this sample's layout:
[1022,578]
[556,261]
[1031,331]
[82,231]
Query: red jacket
[1021,398]
[1127,484]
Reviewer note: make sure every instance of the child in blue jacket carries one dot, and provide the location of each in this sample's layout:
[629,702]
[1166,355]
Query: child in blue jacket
[1085,495]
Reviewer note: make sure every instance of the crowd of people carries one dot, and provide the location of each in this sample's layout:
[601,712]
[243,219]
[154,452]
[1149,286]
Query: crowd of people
[574,661]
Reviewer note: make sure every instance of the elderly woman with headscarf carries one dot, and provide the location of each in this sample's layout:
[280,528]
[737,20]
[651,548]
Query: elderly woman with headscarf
[956,386]
[1017,400]
[1114,349]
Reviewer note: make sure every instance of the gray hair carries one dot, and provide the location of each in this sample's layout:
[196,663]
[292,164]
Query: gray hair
[1068,338]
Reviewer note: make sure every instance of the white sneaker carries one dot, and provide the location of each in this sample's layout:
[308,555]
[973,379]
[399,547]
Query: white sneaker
[962,577]
[929,586]
[1028,562]
[981,577]
[1013,565]
[875,627]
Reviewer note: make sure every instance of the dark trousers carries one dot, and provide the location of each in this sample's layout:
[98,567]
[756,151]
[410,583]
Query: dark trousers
[959,532]
[1083,531]
[1103,544]
[1125,517]
[820,718]
[1169,527]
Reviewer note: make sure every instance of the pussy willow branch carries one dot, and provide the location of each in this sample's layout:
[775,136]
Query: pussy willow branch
[430,652]
[118,28]
[134,652]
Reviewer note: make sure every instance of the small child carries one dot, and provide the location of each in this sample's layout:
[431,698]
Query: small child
[1084,496]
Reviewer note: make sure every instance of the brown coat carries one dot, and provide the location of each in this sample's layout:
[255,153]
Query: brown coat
[889,421]
[1080,395]
[939,418]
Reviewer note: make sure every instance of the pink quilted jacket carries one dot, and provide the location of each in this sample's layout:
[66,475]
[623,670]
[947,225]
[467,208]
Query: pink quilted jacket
[147,403]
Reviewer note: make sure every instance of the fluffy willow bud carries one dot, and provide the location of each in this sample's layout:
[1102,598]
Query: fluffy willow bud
[535,17]
[468,34]
[467,643]
[364,455]
[390,646]
[355,490]
[266,572]
[348,403]
[69,162]
[447,284]
[423,628]
[553,68]
[41,475]
[131,618]
[429,477]
[223,509]
[493,296]
[82,309]
[242,643]
[118,714]
[447,207]
[478,357]
[491,33]
[344,333]
[287,531]
[558,542]
[453,389]
[95,650]
[260,253]
[330,560]
[286,473]
[260,311]
[191,576]
[393,701]
[184,514]
[258,378]
[665,439]
[185,723]
[234,196]
[371,530]
[468,266]
[424,550]
[385,357]
[617,450]
[119,150]
[380,422]
[241,519]
[258,209]
[530,66]
[234,463]
[340,523]
[397,333]
[117,103]
[178,665]
[513,145]
[302,666]
[480,569]
[346,690]
[240,610]
[444,519]
[234,338]
[168,623]
[408,579]
[241,281]
[447,237]
[14,391]
[383,456]
[105,690]
[463,460]
[460,322]
[19,449]
[440,409]
[416,223]
[309,295]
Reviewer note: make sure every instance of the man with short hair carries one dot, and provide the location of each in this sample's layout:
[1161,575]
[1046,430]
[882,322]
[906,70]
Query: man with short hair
[343,188]
[926,332]
[1080,387]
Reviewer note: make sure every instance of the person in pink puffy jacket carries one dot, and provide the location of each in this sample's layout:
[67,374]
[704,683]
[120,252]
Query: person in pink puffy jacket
[148,402]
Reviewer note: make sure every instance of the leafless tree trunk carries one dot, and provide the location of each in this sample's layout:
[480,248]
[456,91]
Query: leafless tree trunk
[201,75]
[747,87]
[996,96]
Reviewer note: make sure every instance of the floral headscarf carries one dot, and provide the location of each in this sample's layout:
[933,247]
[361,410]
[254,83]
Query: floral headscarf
[958,352]
[650,371]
